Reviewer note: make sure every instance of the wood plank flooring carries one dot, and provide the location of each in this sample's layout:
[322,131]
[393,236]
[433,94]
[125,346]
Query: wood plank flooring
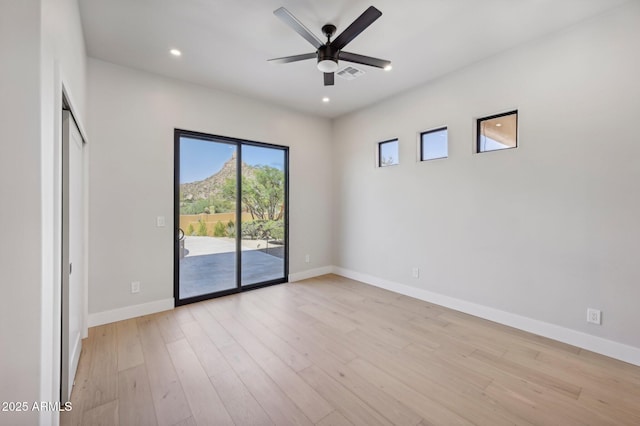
[332,351]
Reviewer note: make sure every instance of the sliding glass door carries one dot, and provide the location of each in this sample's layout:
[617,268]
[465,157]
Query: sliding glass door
[263,224]
[207,252]
[230,215]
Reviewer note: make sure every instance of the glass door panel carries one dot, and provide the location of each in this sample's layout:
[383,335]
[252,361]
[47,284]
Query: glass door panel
[207,246]
[263,214]
[230,215]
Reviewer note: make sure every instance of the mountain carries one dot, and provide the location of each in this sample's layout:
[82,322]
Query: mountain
[212,186]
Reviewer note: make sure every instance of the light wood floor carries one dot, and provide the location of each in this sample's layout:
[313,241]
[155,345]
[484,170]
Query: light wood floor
[332,351]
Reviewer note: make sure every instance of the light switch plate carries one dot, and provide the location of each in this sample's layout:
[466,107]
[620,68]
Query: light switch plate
[160,222]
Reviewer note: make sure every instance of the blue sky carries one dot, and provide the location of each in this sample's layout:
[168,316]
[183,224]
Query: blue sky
[200,159]
[435,145]
[389,152]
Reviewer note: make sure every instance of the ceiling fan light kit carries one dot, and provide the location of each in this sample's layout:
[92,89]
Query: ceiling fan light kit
[328,65]
[328,54]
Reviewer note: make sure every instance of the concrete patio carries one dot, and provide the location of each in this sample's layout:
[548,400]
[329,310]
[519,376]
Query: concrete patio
[209,264]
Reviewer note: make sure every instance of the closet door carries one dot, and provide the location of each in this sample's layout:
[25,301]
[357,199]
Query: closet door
[73,285]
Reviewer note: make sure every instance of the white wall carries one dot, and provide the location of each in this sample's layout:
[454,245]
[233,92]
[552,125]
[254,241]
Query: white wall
[42,48]
[132,116]
[542,231]
[19,191]
[63,64]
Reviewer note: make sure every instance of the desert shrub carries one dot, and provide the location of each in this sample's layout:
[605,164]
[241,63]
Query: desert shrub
[194,207]
[206,205]
[275,229]
[220,230]
[202,228]
[190,230]
[251,230]
[263,229]
[231,229]
[222,206]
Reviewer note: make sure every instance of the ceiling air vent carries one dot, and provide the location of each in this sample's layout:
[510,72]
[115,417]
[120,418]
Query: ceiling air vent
[349,73]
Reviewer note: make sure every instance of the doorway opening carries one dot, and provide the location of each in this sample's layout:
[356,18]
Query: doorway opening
[231,215]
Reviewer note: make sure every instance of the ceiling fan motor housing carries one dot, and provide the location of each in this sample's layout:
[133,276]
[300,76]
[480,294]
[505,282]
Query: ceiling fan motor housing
[326,52]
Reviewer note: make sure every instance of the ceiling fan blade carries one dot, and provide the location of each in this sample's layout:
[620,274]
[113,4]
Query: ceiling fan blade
[364,60]
[294,58]
[297,26]
[328,79]
[359,25]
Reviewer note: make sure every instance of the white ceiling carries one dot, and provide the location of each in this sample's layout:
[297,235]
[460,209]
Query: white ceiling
[225,44]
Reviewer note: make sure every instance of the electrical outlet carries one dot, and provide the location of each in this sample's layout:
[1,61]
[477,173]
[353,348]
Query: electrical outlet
[160,222]
[594,316]
[415,272]
[135,287]
[307,258]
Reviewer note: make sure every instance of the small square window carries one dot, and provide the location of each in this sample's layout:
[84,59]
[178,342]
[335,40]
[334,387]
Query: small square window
[434,144]
[497,132]
[388,153]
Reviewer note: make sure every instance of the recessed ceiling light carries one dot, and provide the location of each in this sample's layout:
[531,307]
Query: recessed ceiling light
[325,99]
[498,124]
[175,52]
[388,68]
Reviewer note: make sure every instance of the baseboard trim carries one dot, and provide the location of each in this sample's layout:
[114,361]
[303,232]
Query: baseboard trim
[114,315]
[586,341]
[310,273]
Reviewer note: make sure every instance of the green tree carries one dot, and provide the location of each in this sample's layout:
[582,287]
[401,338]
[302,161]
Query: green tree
[229,190]
[262,193]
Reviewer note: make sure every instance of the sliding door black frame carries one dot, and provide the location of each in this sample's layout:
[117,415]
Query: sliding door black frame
[178,133]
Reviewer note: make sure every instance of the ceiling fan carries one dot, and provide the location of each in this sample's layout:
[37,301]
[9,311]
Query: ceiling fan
[328,54]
